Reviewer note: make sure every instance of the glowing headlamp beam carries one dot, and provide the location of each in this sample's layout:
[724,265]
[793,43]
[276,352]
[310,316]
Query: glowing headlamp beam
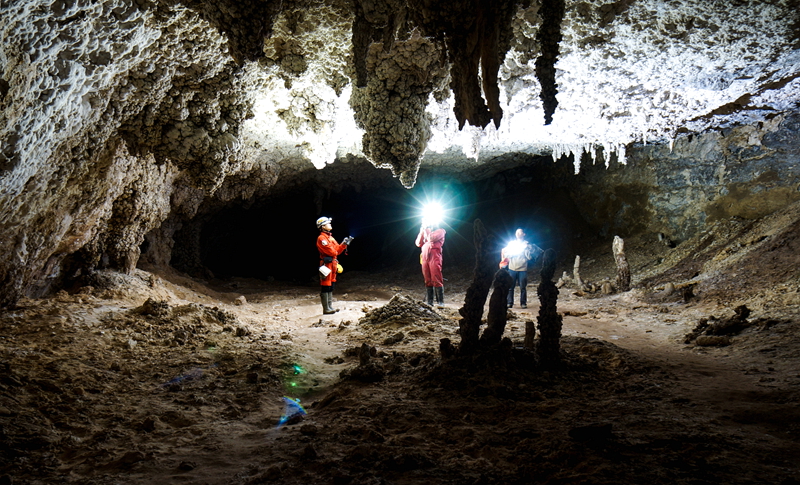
[432,213]
[515,248]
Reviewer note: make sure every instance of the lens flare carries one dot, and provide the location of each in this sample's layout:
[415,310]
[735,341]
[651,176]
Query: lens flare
[432,214]
[515,248]
[292,411]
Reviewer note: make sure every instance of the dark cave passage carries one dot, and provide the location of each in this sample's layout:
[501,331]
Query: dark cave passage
[275,238]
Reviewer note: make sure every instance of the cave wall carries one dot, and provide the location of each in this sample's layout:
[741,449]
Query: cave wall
[105,108]
[748,172]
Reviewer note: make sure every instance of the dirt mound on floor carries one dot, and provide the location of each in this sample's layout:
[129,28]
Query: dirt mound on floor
[402,310]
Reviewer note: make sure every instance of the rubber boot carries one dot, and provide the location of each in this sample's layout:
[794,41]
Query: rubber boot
[326,303]
[429,295]
[324,298]
[439,296]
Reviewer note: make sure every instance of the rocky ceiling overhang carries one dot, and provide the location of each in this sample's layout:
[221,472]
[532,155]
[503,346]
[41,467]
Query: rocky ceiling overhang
[450,82]
[400,81]
[117,113]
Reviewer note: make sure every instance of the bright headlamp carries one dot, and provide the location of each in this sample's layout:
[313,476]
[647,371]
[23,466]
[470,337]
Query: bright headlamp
[432,214]
[515,248]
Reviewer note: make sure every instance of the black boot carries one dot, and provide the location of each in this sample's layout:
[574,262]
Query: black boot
[429,295]
[439,296]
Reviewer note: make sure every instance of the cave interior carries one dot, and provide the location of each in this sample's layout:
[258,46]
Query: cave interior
[162,163]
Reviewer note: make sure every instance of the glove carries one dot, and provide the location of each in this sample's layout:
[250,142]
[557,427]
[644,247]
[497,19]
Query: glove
[327,259]
[347,240]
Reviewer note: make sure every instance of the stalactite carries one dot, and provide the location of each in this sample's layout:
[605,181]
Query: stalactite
[477,35]
[245,23]
[549,36]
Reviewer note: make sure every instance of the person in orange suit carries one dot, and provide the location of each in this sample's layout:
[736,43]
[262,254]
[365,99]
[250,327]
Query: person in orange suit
[329,250]
[431,240]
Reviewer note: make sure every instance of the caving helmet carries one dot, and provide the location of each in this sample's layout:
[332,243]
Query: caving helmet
[322,221]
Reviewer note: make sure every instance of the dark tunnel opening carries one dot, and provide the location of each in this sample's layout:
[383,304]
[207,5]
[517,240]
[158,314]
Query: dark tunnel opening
[275,238]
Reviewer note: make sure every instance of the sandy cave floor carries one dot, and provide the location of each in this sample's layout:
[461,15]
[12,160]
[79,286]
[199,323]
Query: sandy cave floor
[98,387]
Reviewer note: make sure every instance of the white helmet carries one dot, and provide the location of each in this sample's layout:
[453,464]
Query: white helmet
[322,221]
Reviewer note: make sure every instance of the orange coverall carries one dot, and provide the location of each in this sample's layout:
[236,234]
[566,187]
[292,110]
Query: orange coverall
[431,243]
[328,246]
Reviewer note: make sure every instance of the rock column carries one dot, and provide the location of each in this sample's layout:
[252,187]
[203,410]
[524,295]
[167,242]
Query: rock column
[549,348]
[623,282]
[498,311]
[472,311]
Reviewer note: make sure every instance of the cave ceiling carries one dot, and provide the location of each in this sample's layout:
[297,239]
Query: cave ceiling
[403,81]
[396,81]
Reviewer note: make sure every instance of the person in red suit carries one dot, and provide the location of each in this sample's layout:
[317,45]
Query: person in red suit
[329,250]
[431,240]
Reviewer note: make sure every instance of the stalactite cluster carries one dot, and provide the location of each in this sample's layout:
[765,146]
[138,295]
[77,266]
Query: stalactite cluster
[476,34]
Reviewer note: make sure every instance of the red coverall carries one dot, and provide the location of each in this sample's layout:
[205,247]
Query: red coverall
[431,243]
[328,246]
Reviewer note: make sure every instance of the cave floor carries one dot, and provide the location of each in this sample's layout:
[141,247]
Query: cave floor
[99,387]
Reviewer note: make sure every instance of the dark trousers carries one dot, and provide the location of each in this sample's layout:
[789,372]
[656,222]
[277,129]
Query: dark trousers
[520,278]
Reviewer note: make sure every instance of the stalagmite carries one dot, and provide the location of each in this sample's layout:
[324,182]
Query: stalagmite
[472,311]
[548,350]
[498,312]
[530,335]
[623,282]
[576,273]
